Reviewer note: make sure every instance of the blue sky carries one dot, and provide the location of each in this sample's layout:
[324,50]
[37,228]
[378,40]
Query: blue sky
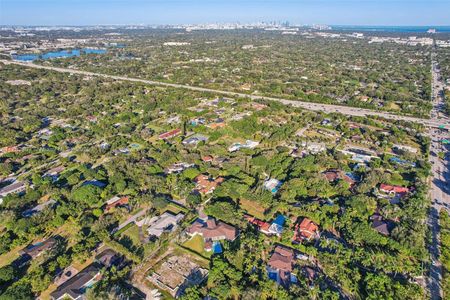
[336,12]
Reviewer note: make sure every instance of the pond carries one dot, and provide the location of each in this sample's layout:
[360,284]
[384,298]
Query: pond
[57,54]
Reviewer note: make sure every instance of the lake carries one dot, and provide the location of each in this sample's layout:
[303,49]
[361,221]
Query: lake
[58,54]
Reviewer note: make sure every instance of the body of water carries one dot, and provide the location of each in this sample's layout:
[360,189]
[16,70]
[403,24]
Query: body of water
[418,29]
[58,54]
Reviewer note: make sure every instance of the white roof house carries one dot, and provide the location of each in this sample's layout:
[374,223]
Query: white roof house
[248,144]
[167,222]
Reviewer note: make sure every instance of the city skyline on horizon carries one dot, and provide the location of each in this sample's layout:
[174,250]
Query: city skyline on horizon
[171,12]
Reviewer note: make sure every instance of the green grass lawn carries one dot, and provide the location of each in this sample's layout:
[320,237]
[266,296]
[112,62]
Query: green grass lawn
[9,257]
[197,245]
[133,234]
[172,207]
[252,208]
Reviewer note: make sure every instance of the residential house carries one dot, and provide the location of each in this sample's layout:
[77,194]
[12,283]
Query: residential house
[16,187]
[258,106]
[206,185]
[75,288]
[305,231]
[64,275]
[54,172]
[260,225]
[116,201]
[109,258]
[402,162]
[207,158]
[173,120]
[240,116]
[249,144]
[9,149]
[45,133]
[36,250]
[195,139]
[212,231]
[405,148]
[381,225]
[350,178]
[196,121]
[272,185]
[167,222]
[217,123]
[359,155]
[38,208]
[169,134]
[92,119]
[314,148]
[334,175]
[393,189]
[177,168]
[280,266]
[246,86]
[277,225]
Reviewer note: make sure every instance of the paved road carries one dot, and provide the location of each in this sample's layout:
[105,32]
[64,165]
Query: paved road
[440,180]
[328,108]
[440,187]
[131,219]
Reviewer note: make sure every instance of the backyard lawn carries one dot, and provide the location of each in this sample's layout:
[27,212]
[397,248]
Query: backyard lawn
[9,257]
[174,208]
[133,234]
[196,244]
[252,208]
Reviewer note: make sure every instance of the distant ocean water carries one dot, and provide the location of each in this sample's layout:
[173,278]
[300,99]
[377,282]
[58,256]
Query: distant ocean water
[391,28]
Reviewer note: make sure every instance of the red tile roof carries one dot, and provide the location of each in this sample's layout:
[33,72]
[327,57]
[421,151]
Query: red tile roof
[206,184]
[305,230]
[207,158]
[170,134]
[331,175]
[9,149]
[393,188]
[261,225]
[119,202]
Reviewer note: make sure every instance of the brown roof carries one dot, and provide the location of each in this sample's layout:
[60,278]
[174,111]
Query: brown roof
[75,286]
[310,273]
[206,184]
[382,226]
[305,230]
[118,202]
[282,259]
[331,175]
[213,230]
[207,158]
[394,188]
[38,248]
[262,226]
[170,134]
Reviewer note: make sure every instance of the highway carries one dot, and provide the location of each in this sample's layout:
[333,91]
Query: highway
[328,108]
[439,186]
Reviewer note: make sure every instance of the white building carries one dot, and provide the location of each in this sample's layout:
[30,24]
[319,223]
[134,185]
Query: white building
[167,222]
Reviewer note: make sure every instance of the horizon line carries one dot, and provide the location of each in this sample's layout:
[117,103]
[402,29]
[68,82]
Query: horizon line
[207,23]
